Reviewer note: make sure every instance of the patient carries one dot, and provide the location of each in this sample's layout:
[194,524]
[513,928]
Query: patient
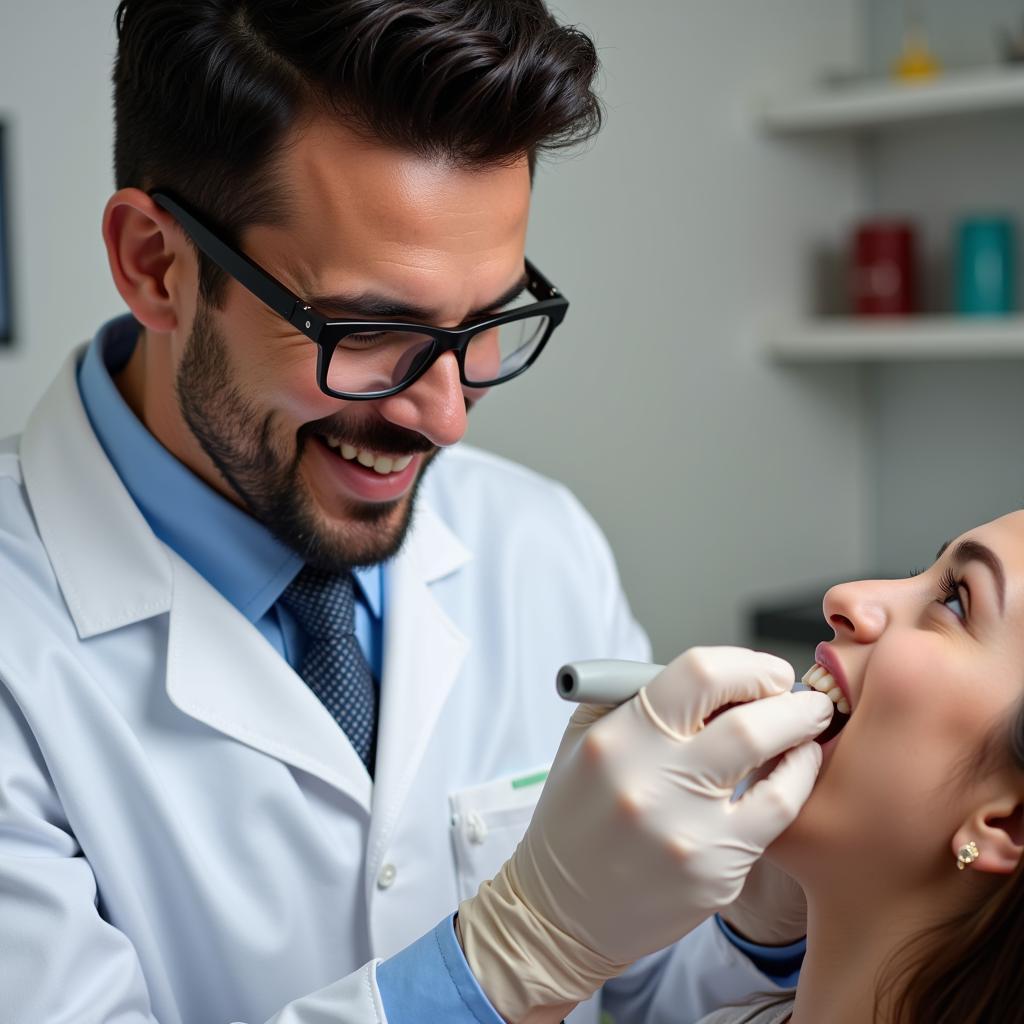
[908,922]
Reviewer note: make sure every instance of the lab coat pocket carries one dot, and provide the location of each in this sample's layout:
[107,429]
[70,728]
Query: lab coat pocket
[487,823]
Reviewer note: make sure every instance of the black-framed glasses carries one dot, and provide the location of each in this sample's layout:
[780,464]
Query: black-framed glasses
[366,359]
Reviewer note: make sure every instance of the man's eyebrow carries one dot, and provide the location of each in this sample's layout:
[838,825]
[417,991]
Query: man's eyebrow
[974,551]
[371,305]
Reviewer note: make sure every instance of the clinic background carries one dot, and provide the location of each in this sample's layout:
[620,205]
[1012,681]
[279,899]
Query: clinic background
[723,478]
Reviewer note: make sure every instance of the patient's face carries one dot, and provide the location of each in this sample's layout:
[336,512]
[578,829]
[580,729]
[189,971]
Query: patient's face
[931,663]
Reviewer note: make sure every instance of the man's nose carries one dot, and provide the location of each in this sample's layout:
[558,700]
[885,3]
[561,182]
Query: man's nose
[856,611]
[435,406]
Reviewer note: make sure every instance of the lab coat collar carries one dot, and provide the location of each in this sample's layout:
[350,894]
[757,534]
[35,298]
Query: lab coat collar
[110,568]
[113,572]
[222,672]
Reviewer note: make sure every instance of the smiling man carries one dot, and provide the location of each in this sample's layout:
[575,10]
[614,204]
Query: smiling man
[335,480]
[276,681]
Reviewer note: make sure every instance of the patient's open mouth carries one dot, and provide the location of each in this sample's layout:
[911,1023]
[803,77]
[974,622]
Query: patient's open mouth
[819,678]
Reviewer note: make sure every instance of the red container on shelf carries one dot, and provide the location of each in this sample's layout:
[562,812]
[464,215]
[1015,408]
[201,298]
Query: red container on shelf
[884,271]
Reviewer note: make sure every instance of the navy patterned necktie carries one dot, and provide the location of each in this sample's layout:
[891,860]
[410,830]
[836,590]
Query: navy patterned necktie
[333,665]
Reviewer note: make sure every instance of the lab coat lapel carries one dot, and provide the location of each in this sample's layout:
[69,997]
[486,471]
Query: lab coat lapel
[423,653]
[110,568]
[222,672]
[114,572]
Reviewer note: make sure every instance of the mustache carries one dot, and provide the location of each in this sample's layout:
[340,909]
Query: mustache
[377,437]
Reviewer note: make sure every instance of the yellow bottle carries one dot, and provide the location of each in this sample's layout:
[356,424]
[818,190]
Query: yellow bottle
[917,62]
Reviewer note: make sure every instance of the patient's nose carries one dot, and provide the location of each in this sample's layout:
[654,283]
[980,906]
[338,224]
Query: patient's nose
[855,610]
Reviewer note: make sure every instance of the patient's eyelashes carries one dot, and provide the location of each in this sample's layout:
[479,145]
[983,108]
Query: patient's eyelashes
[950,588]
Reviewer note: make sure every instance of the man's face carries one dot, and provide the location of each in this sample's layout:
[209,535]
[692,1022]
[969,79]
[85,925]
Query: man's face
[366,221]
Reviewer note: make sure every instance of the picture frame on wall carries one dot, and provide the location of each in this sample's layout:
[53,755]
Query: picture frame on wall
[6,314]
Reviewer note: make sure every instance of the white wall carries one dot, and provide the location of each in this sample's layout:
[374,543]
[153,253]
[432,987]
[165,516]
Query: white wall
[55,62]
[947,436]
[715,475]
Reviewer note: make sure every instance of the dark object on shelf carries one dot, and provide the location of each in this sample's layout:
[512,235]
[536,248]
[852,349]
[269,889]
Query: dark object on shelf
[1012,45]
[883,268]
[6,317]
[798,620]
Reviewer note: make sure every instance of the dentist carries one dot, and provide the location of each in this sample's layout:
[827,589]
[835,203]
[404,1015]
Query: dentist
[277,658]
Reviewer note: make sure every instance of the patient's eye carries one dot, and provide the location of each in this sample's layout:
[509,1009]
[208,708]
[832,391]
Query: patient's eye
[951,587]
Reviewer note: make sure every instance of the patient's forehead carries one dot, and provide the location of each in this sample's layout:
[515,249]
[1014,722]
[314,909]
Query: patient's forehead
[1005,536]
[1010,528]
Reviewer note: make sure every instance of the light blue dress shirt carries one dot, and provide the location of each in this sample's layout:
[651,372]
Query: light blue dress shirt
[430,979]
[236,554]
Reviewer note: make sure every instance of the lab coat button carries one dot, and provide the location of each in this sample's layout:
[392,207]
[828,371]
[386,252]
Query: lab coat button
[386,876]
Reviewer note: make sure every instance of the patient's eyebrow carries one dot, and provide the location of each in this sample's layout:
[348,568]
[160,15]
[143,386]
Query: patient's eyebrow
[973,551]
[370,305]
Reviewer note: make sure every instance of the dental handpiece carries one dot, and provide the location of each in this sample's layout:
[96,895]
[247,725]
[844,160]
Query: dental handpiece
[609,681]
[604,681]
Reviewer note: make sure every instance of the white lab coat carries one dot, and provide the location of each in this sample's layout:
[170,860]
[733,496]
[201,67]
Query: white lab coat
[185,834]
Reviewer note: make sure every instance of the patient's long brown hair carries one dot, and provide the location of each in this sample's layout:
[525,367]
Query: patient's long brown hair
[969,970]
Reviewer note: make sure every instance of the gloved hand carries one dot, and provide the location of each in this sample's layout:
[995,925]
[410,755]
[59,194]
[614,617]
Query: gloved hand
[771,910]
[634,840]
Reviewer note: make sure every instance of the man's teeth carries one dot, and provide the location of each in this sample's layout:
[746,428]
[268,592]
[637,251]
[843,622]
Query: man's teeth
[819,678]
[382,464]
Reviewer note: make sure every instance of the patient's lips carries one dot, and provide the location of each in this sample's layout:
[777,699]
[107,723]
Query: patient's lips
[818,677]
[825,656]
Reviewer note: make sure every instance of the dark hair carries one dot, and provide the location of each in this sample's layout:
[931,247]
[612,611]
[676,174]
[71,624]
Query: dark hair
[207,91]
[967,970]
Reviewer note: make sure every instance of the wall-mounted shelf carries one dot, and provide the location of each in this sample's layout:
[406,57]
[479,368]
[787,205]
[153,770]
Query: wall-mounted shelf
[878,340]
[878,103]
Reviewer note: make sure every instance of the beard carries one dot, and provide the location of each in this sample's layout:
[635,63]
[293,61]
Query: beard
[264,473]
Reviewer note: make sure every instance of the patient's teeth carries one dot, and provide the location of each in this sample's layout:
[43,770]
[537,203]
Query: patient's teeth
[382,465]
[365,459]
[819,678]
[401,463]
[348,452]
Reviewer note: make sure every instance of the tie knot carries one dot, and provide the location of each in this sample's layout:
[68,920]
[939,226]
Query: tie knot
[323,603]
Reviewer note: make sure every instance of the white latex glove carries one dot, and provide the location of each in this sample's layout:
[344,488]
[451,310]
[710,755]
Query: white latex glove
[634,840]
[771,910]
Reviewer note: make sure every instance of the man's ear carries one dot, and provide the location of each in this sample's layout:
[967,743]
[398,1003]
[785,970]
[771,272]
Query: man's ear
[997,829]
[145,249]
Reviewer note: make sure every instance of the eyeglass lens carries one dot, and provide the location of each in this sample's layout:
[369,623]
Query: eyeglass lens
[381,360]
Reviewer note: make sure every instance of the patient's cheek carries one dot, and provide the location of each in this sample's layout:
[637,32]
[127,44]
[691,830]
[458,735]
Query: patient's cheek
[923,707]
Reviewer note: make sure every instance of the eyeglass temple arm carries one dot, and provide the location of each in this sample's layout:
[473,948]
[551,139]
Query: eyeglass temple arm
[265,287]
[538,282]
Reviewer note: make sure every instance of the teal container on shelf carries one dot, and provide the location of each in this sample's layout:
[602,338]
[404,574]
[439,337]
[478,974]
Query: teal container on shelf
[986,266]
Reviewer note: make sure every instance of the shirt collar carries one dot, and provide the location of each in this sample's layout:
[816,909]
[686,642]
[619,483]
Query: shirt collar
[236,553]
